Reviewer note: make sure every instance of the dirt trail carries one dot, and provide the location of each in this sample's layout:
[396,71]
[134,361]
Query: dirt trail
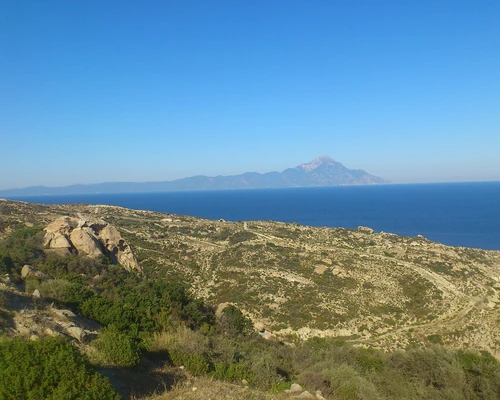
[439,281]
[450,320]
[448,323]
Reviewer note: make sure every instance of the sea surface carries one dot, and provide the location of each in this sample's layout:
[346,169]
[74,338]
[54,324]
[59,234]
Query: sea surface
[457,214]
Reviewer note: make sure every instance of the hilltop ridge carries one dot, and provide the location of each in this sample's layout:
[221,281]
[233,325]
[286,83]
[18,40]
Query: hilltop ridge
[322,171]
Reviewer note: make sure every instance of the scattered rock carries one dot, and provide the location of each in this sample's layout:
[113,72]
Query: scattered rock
[36,294]
[259,327]
[77,333]
[220,308]
[305,395]
[295,388]
[320,269]
[63,313]
[319,395]
[29,271]
[51,332]
[365,229]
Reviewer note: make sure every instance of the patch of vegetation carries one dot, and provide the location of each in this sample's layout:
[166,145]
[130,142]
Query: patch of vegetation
[48,369]
[117,348]
[240,237]
[156,316]
[23,246]
[436,339]
[233,322]
[345,372]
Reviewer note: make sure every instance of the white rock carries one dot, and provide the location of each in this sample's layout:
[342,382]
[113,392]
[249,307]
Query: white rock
[305,395]
[295,388]
[77,333]
[63,313]
[319,395]
[29,271]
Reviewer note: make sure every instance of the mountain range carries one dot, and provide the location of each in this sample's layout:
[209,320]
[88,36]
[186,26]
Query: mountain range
[322,171]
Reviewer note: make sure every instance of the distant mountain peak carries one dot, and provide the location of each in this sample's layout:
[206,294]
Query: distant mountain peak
[322,171]
[317,162]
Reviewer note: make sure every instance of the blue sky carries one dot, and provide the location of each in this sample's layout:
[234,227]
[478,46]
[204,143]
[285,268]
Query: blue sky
[94,91]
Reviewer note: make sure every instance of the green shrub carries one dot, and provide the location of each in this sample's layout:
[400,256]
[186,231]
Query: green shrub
[48,369]
[240,237]
[5,264]
[436,339]
[347,384]
[370,360]
[233,372]
[194,363]
[117,348]
[233,322]
[3,300]
[23,246]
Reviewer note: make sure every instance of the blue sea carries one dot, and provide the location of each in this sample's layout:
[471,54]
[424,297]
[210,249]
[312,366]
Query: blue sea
[457,214]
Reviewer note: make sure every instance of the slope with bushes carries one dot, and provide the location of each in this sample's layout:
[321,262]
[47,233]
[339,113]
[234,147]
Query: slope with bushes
[187,321]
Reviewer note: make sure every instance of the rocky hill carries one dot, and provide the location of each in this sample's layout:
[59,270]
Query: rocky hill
[323,171]
[370,289]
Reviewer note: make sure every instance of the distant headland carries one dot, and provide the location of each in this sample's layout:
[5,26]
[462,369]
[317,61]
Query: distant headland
[322,171]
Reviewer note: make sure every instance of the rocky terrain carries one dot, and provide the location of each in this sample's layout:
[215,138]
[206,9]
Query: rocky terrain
[371,289]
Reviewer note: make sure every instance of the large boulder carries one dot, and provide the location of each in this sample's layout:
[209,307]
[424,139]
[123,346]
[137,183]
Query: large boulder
[56,233]
[92,238]
[85,241]
[118,248]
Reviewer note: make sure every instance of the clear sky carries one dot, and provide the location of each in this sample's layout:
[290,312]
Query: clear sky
[94,91]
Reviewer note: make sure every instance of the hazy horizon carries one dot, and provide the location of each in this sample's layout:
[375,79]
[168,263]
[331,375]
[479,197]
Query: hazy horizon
[131,92]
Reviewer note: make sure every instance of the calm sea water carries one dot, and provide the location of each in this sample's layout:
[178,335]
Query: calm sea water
[457,214]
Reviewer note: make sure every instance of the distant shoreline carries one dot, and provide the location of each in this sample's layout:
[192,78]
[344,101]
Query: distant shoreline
[456,214]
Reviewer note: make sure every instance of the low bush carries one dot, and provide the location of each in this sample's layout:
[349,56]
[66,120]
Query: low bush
[117,348]
[195,363]
[3,300]
[48,369]
[23,246]
[233,322]
[233,373]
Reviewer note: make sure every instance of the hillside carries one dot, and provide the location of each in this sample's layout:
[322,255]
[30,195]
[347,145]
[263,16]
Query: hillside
[322,171]
[366,287]
[363,289]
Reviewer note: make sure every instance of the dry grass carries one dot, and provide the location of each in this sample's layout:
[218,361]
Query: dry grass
[209,389]
[181,336]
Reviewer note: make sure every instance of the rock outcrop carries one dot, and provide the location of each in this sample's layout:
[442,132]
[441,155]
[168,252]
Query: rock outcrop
[85,241]
[56,235]
[29,272]
[118,248]
[68,235]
